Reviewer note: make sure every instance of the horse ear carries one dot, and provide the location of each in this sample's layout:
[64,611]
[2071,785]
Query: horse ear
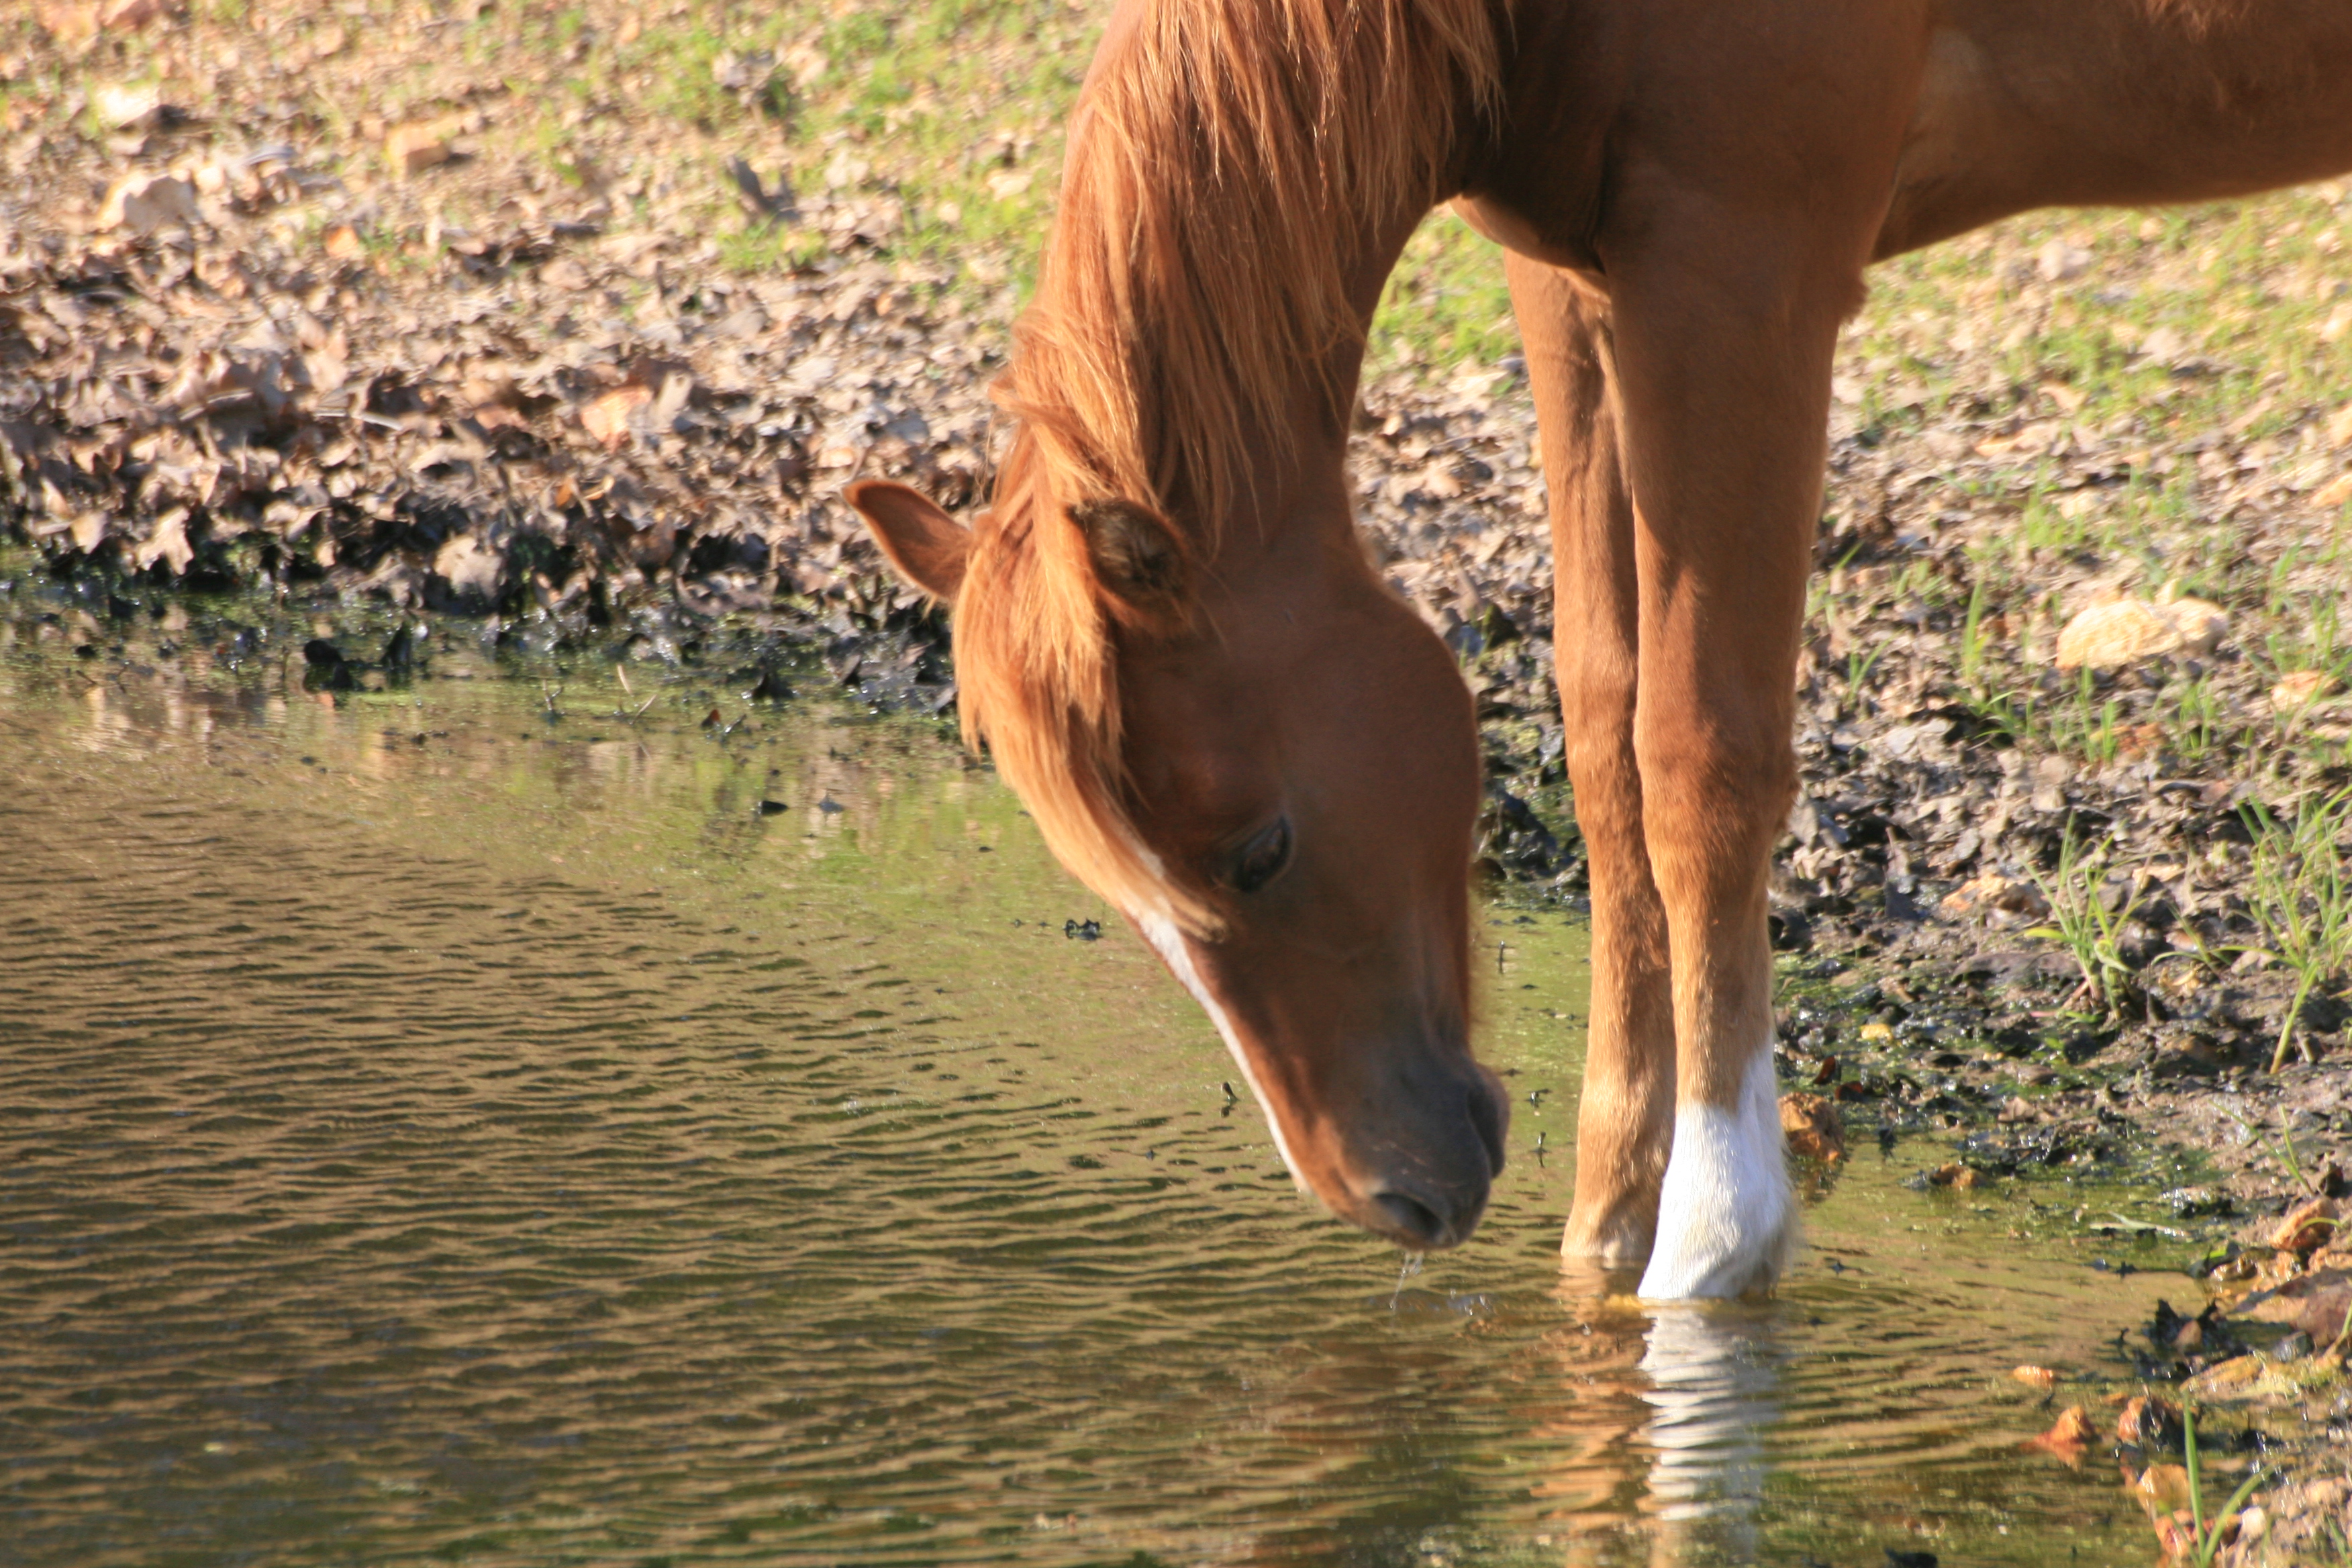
[1135,552]
[929,547]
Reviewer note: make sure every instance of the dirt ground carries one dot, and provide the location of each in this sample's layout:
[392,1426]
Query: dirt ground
[575,321]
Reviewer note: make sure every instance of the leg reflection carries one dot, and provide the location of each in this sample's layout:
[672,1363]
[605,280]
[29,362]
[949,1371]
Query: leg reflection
[1714,1385]
[1658,1450]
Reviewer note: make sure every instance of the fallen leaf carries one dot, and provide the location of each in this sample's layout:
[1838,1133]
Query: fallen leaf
[122,15]
[123,105]
[2161,1489]
[2305,687]
[343,242]
[70,24]
[2069,1436]
[2113,635]
[1993,891]
[2309,1225]
[606,416]
[1812,1126]
[413,148]
[143,202]
[2148,1422]
[2339,428]
[2335,493]
[2201,625]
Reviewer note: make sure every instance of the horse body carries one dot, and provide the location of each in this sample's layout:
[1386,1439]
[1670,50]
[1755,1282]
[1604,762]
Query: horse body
[1171,641]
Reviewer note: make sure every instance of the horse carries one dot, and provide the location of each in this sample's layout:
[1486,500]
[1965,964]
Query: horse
[1170,640]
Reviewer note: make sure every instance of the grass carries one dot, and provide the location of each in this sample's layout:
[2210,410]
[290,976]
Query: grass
[2207,1542]
[2083,923]
[2301,899]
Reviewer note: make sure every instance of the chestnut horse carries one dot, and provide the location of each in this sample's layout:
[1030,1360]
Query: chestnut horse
[1170,639]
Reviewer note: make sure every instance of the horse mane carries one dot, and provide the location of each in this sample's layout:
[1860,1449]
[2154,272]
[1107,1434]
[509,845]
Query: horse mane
[1226,159]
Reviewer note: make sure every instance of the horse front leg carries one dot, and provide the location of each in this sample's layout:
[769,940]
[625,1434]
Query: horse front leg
[1625,1120]
[1724,378]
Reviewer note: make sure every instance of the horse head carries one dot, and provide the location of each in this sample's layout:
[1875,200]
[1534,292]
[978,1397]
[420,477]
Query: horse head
[1268,763]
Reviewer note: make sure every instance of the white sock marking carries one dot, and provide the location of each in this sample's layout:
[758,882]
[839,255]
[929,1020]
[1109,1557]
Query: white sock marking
[1725,1217]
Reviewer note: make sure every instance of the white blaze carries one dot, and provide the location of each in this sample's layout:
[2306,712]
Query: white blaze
[1169,942]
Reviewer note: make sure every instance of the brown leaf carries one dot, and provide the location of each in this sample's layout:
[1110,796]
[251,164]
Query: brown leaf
[70,24]
[606,416]
[124,16]
[1812,1126]
[413,148]
[2110,636]
[2310,1224]
[2069,1436]
[2298,691]
[2148,1422]
[143,202]
[2161,1489]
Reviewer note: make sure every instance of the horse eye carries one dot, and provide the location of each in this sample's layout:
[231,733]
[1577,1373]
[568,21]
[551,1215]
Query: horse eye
[1261,859]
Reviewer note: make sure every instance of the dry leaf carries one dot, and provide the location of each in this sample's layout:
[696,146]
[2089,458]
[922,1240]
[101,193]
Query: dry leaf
[70,24]
[2201,625]
[606,415]
[413,148]
[145,203]
[2148,1422]
[2069,1436]
[1812,1127]
[122,15]
[2112,636]
[2312,1224]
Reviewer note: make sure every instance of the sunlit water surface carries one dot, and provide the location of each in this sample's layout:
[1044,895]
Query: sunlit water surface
[433,1130]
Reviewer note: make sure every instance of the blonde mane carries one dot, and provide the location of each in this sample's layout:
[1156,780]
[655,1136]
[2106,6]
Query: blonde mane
[1227,157]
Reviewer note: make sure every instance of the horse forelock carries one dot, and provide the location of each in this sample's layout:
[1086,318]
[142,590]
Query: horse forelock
[1226,159]
[1037,684]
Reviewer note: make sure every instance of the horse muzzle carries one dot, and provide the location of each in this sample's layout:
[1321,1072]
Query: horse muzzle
[1421,1176]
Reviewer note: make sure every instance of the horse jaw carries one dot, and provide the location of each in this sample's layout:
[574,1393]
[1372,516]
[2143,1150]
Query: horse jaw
[1726,1219]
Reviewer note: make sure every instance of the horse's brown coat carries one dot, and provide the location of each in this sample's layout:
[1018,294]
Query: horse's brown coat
[1691,192]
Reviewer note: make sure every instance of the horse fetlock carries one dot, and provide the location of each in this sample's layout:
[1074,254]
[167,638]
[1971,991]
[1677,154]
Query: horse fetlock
[1726,1218]
[1619,1236]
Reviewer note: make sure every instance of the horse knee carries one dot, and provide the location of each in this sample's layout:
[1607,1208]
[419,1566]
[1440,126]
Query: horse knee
[1714,791]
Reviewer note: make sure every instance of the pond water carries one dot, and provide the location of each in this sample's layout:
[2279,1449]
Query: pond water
[434,1129]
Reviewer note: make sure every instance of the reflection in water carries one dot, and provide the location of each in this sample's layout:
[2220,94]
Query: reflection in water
[1712,1382]
[428,1128]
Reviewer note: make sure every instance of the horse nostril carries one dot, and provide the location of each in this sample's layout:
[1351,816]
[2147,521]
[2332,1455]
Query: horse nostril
[1416,1219]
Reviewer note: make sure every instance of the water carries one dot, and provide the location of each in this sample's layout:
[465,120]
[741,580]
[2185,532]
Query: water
[431,1131]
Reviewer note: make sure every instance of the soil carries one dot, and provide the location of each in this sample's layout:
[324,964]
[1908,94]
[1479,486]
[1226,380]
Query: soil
[227,369]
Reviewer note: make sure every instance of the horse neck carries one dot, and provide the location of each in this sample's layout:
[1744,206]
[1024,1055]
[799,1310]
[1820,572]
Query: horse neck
[1294,492]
